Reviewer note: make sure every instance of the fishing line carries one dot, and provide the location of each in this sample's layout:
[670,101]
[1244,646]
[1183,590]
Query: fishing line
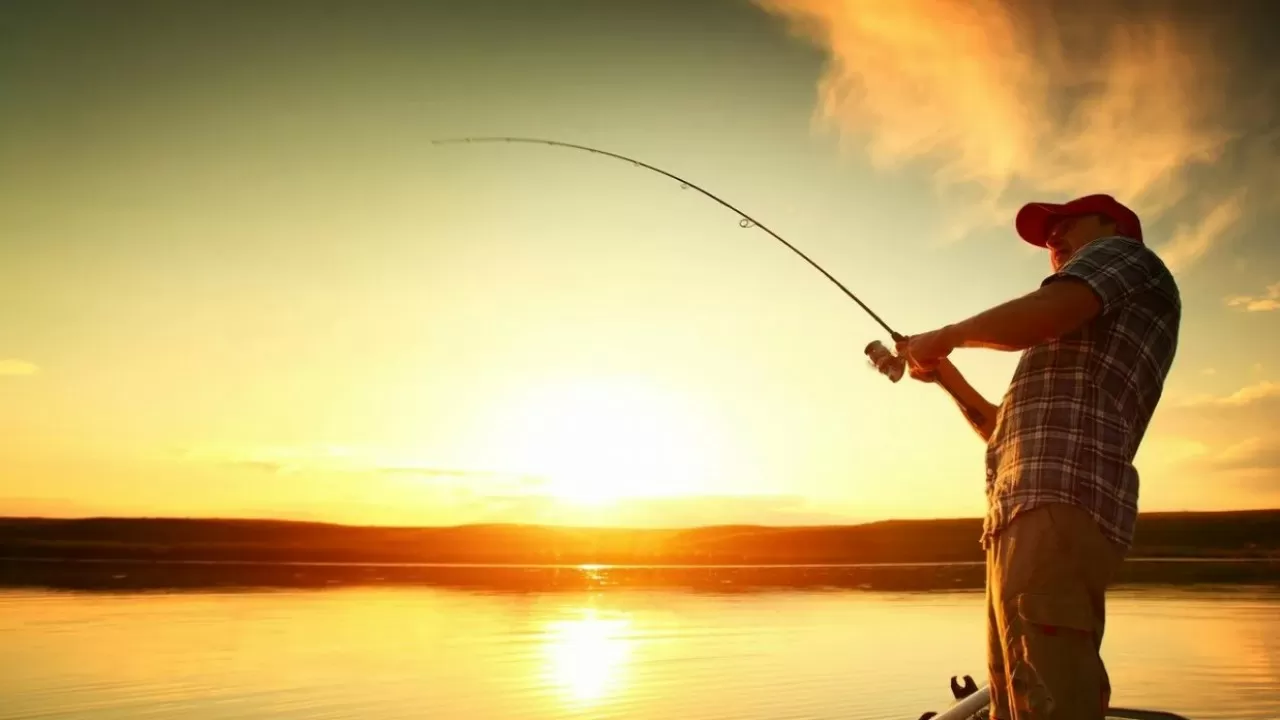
[746,220]
[881,357]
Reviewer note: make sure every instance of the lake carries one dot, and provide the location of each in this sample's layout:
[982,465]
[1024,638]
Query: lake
[430,652]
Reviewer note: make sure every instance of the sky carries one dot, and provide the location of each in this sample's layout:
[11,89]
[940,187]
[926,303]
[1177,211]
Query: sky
[238,279]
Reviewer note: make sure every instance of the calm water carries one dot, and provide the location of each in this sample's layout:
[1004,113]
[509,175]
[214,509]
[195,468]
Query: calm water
[438,653]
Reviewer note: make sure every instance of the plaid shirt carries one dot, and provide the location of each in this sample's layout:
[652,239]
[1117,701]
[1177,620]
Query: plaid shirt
[1078,406]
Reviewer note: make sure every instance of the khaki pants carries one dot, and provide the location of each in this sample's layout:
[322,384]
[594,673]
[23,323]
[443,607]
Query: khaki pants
[1047,576]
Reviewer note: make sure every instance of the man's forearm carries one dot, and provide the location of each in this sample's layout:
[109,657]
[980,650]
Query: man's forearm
[1037,317]
[980,413]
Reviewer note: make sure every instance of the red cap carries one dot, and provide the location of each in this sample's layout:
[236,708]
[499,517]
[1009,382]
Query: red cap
[1034,218]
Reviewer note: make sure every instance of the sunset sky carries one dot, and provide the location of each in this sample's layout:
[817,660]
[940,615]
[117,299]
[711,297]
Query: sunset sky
[237,279]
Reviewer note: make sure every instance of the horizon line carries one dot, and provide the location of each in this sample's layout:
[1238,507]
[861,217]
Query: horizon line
[766,526]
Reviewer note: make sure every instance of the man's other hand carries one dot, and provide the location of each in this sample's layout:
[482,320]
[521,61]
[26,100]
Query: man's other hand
[924,351]
[925,376]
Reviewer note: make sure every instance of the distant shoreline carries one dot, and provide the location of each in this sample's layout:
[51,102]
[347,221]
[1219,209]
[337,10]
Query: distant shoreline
[122,575]
[1238,534]
[588,567]
[1230,547]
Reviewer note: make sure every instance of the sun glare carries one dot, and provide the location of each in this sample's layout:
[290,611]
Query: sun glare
[588,656]
[599,441]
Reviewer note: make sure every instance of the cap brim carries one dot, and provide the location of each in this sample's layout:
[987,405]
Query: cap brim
[1033,220]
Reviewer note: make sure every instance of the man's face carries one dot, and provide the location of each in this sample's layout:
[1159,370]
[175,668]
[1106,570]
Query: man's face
[1069,234]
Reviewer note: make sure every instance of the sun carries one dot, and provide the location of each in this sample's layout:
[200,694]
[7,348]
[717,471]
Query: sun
[600,440]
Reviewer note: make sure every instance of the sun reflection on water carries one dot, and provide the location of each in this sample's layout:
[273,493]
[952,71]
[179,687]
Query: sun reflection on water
[588,656]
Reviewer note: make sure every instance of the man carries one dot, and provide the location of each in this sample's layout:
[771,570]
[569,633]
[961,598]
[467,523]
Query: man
[1098,338]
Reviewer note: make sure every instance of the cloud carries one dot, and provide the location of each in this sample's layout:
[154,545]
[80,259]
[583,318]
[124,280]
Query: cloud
[422,492]
[12,366]
[1254,453]
[1248,395]
[1261,303]
[267,466]
[1192,241]
[651,512]
[692,511]
[425,506]
[1229,441]
[49,507]
[345,460]
[453,473]
[1248,468]
[1007,100]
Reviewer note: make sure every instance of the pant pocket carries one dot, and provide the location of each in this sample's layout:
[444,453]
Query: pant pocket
[1054,614]
[1058,669]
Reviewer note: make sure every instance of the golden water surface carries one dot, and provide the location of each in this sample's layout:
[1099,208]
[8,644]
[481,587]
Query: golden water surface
[436,653]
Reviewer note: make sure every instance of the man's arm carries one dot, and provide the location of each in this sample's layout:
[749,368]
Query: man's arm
[1050,312]
[1055,309]
[980,413]
[1099,277]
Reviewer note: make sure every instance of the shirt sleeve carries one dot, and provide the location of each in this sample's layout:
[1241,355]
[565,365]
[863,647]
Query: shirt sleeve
[1115,268]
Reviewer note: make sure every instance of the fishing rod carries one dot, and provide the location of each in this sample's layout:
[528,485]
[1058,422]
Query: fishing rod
[747,221]
[881,357]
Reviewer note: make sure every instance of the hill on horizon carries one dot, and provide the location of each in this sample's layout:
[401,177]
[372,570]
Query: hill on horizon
[1243,533]
[262,520]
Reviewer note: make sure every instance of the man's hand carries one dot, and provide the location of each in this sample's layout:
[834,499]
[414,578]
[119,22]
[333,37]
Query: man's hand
[980,413]
[924,376]
[924,351]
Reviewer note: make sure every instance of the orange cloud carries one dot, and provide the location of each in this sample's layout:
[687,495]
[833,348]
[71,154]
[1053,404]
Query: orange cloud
[1192,241]
[1247,395]
[17,367]
[1230,441]
[342,460]
[1008,100]
[1262,303]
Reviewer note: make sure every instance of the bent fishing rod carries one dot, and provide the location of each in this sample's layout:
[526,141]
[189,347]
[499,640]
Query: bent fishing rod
[881,357]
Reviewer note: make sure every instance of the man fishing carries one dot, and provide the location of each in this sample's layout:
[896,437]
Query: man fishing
[1097,338]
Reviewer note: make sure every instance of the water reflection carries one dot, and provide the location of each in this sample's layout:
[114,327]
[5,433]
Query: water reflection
[156,574]
[588,656]
[396,653]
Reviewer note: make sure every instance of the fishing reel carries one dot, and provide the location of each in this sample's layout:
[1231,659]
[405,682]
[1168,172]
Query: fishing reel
[895,366]
[882,358]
